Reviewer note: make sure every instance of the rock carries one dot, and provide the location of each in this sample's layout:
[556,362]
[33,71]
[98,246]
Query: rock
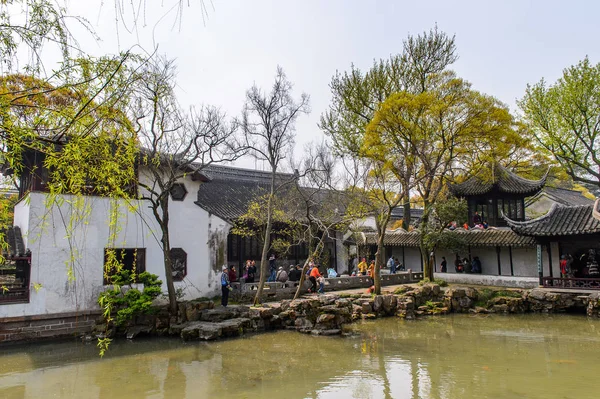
[366,307]
[303,323]
[537,294]
[175,329]
[133,332]
[214,315]
[234,327]
[325,318]
[201,330]
[479,309]
[390,302]
[261,313]
[369,316]
[378,304]
[343,303]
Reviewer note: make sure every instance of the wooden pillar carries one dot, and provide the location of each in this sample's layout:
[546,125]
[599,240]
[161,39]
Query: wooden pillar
[421,257]
[512,271]
[403,258]
[539,263]
[499,263]
[335,252]
[241,254]
[549,249]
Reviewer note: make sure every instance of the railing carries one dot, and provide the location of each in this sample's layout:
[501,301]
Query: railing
[14,281]
[571,283]
[13,294]
[331,284]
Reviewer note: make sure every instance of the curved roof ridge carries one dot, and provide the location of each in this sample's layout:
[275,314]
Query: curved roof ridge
[550,212]
[542,180]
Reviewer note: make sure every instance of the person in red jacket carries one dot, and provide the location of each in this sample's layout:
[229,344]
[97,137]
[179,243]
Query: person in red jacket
[314,275]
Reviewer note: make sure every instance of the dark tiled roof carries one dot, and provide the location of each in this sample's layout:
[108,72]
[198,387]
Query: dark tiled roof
[504,181]
[229,173]
[475,238]
[14,239]
[415,213]
[231,190]
[563,196]
[229,200]
[560,221]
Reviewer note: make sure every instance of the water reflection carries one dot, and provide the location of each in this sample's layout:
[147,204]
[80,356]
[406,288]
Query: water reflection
[446,357]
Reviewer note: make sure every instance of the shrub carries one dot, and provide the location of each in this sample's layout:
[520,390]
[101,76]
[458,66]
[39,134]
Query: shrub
[132,302]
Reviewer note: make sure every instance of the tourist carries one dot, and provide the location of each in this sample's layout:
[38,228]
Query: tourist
[390,263]
[331,273]
[394,266]
[453,225]
[372,270]
[225,286]
[295,273]
[563,266]
[272,269]
[362,267]
[314,274]
[485,224]
[476,219]
[570,261]
[282,276]
[399,266]
[458,266]
[444,265]
[467,267]
[232,275]
[250,271]
[466,226]
[321,281]
[476,265]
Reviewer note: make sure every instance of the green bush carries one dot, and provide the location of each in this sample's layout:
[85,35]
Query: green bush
[133,302]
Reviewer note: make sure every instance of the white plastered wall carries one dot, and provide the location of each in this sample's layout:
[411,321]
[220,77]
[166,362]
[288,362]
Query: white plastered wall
[43,228]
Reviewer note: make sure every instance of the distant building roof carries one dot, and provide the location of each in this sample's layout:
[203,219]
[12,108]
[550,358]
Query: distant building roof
[14,239]
[562,196]
[415,213]
[561,221]
[503,181]
[230,190]
[491,237]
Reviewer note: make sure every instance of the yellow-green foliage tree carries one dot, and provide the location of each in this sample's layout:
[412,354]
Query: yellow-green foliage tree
[356,94]
[565,119]
[437,131]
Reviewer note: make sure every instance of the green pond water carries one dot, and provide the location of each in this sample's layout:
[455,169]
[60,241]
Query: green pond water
[456,356]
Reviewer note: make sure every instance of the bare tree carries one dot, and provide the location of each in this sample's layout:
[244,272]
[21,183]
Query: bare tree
[268,123]
[174,145]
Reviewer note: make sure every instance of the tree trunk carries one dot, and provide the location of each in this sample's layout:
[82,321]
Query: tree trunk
[425,249]
[166,247]
[379,255]
[264,267]
[406,215]
[314,254]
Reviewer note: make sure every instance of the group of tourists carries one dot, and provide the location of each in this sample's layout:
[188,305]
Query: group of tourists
[465,265]
[478,223]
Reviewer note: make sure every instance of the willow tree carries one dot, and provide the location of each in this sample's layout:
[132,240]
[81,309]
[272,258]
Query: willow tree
[356,95]
[437,131]
[268,122]
[565,119]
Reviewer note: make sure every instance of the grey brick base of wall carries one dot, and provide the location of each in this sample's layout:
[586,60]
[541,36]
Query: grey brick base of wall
[59,325]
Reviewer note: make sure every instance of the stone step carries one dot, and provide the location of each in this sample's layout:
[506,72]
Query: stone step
[207,331]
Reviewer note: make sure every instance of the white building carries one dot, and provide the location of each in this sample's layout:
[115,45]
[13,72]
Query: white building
[67,240]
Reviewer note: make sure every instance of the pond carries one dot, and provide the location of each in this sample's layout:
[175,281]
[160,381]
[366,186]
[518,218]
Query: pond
[456,356]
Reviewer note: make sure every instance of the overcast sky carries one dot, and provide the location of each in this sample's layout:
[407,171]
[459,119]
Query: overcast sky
[502,45]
